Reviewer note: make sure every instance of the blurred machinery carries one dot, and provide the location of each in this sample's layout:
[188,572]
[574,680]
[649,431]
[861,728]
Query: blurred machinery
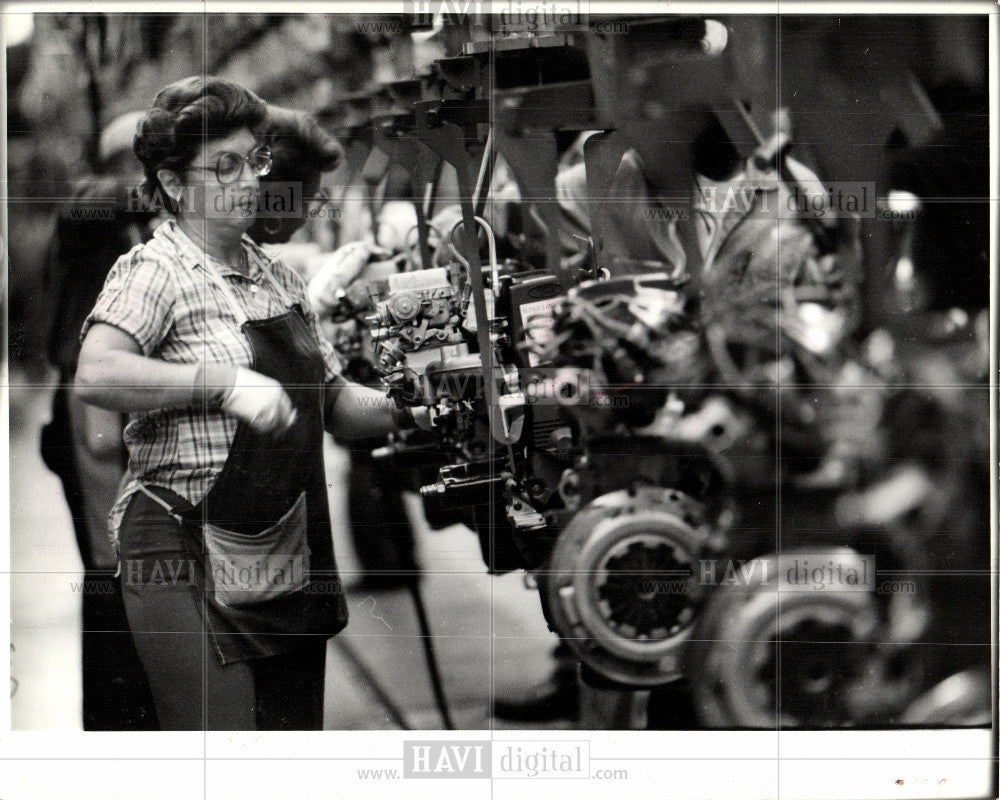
[664,449]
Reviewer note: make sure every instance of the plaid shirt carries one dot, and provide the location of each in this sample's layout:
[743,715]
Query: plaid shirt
[161,295]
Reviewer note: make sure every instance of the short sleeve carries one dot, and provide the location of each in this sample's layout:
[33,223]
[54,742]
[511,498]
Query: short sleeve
[292,283]
[138,297]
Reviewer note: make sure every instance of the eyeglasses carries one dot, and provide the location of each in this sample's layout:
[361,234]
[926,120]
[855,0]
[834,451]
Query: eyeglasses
[229,166]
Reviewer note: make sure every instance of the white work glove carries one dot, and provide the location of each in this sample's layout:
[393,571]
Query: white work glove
[260,401]
[337,270]
[396,222]
[423,418]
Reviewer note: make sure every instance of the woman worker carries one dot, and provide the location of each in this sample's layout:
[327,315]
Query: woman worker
[221,523]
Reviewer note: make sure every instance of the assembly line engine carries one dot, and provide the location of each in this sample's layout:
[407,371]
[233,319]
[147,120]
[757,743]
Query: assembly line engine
[560,475]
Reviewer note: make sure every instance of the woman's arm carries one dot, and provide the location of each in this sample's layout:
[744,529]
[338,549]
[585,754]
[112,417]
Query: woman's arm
[353,412]
[358,412]
[112,373]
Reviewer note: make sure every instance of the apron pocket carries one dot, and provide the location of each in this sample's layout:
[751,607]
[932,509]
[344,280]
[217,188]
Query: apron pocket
[249,569]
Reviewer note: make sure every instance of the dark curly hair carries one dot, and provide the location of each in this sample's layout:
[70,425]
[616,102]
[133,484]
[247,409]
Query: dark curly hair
[183,116]
[301,152]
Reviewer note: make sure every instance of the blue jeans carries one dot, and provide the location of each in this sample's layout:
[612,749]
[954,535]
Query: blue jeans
[192,690]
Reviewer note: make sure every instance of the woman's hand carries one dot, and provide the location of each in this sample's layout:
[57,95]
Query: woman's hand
[260,401]
[338,269]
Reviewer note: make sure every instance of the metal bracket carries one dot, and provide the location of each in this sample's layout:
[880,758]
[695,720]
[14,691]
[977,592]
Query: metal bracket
[448,140]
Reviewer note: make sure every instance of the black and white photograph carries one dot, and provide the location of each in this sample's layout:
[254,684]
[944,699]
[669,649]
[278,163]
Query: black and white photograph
[567,398]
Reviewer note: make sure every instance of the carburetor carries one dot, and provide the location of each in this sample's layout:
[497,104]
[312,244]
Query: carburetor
[420,310]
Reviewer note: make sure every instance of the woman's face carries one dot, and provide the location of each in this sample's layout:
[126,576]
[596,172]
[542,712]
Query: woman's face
[232,204]
[279,222]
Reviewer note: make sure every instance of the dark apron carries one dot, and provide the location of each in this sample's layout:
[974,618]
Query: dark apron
[262,483]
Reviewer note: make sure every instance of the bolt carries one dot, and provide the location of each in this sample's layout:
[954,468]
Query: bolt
[536,488]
